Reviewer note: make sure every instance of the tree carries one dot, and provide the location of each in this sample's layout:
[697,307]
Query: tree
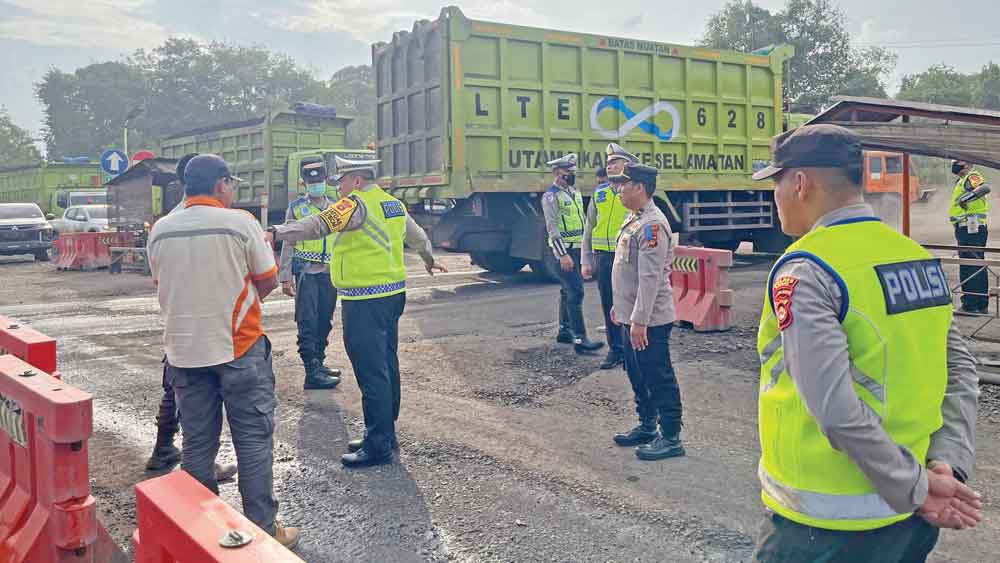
[825,63]
[939,84]
[986,87]
[352,91]
[16,145]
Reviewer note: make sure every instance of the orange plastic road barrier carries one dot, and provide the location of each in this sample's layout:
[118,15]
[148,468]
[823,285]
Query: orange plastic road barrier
[181,521]
[88,251]
[702,297]
[29,345]
[46,511]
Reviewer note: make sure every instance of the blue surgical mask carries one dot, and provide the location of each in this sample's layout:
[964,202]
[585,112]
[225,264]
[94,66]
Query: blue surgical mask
[316,190]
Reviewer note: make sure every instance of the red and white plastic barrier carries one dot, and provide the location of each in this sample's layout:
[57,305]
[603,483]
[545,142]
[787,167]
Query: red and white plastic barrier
[88,251]
[700,278]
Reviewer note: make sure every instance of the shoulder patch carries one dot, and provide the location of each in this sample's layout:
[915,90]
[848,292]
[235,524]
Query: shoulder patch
[976,179]
[652,231]
[908,286]
[601,195]
[339,214]
[392,208]
[782,291]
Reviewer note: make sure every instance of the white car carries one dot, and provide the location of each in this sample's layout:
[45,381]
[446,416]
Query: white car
[83,219]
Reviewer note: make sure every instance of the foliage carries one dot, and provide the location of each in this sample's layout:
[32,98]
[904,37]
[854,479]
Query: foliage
[16,145]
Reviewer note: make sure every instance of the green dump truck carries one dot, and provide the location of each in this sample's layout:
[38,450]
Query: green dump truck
[469,112]
[259,151]
[53,186]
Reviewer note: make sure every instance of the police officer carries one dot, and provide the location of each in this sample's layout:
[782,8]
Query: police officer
[370,227]
[969,212]
[165,454]
[867,391]
[562,206]
[304,273]
[605,216]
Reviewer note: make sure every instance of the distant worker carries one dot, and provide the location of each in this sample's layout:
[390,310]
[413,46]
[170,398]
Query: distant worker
[644,304]
[969,214]
[605,216]
[370,227]
[868,394]
[165,454]
[213,268]
[304,273]
[562,206]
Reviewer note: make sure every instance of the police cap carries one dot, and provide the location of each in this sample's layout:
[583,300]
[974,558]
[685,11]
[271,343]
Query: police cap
[345,166]
[567,162]
[814,146]
[312,170]
[636,172]
[616,151]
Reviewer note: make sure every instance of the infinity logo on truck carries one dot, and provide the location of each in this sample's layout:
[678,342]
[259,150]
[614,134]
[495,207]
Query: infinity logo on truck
[639,119]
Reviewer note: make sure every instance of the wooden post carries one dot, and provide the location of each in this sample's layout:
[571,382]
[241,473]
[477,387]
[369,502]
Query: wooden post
[906,194]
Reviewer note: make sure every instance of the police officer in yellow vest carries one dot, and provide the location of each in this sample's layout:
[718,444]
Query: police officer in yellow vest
[562,206]
[304,273]
[605,216]
[366,264]
[968,213]
[868,394]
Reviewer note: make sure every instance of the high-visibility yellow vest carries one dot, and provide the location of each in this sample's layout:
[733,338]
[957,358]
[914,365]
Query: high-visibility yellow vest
[569,216]
[610,216]
[368,262]
[310,250]
[979,207]
[896,313]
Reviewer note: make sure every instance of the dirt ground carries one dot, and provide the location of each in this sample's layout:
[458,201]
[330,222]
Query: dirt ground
[506,451]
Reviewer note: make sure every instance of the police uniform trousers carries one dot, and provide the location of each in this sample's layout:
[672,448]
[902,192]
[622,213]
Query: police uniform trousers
[975,280]
[784,541]
[571,298]
[605,260]
[315,302]
[371,337]
[245,386]
[653,380]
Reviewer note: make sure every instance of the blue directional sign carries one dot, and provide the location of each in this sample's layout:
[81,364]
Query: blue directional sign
[114,162]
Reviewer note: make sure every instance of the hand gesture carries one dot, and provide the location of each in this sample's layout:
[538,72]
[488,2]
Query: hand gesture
[566,263]
[436,266]
[588,271]
[613,319]
[950,504]
[288,287]
[640,340]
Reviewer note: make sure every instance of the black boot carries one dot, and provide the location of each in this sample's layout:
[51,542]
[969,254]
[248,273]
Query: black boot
[642,434]
[614,358]
[584,345]
[565,336]
[663,447]
[316,379]
[357,444]
[165,453]
[364,458]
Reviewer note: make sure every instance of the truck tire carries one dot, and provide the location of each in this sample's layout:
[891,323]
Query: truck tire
[42,256]
[499,262]
[546,269]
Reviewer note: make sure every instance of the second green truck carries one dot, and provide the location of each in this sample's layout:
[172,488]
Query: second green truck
[469,112]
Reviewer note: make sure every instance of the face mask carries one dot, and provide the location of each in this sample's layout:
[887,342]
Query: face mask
[570,179]
[956,168]
[316,190]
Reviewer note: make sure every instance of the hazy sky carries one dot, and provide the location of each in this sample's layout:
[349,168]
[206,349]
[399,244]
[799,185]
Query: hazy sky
[326,35]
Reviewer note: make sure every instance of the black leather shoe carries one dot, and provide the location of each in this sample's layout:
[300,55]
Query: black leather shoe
[613,359]
[362,458]
[317,380]
[163,457]
[585,345]
[355,445]
[642,434]
[335,373]
[564,338]
[661,448]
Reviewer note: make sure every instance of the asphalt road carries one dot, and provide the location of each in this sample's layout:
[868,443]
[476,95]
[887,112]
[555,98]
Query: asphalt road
[506,436]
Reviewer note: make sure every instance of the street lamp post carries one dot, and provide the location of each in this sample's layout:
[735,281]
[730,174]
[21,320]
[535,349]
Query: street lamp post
[134,113]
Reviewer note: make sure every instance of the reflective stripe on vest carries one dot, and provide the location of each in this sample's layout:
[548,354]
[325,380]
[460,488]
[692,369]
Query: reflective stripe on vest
[310,250]
[610,217]
[896,313]
[368,262]
[979,208]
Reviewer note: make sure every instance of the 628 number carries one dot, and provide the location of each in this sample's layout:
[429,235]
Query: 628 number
[702,118]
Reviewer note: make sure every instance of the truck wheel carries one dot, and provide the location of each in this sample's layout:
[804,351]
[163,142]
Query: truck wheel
[498,262]
[42,256]
[546,269]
